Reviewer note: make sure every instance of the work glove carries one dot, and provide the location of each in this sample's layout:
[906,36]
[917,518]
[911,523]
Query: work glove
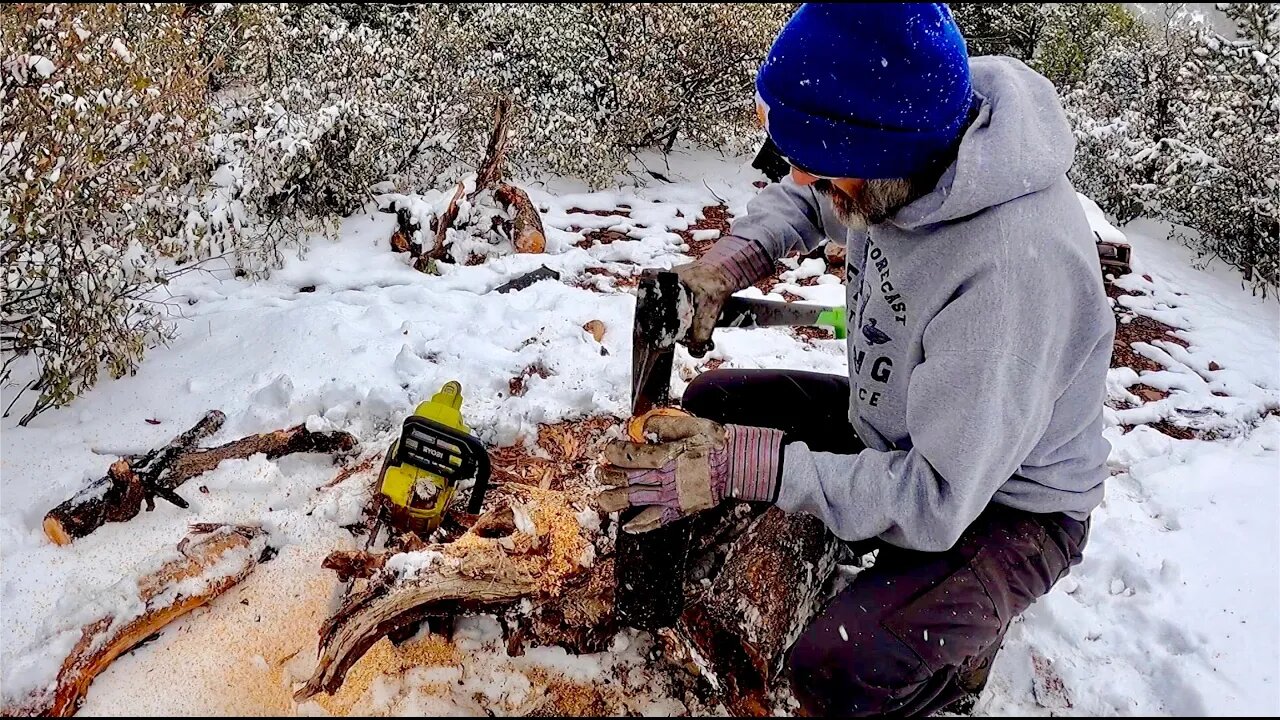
[732,264]
[695,465]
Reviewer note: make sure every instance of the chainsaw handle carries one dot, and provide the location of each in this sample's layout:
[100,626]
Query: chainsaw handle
[429,444]
[482,477]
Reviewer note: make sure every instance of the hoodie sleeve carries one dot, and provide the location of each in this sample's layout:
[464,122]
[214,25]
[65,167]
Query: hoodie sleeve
[976,407]
[786,216]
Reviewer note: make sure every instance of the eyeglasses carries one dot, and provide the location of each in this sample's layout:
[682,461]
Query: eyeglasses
[809,172]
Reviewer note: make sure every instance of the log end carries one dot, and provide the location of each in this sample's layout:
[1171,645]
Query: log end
[531,242]
[54,531]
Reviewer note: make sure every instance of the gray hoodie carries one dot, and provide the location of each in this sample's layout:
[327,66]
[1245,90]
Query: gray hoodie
[979,334]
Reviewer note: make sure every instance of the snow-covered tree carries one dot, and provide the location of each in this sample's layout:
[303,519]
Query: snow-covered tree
[596,82]
[101,109]
[324,103]
[1059,40]
[1133,97]
[1221,174]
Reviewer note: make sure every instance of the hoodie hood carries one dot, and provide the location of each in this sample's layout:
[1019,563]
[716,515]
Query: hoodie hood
[1019,143]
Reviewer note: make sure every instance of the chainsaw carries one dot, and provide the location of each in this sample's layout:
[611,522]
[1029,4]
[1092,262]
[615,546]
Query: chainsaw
[423,467]
[651,567]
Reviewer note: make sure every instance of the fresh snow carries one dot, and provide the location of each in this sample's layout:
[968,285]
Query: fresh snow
[1172,612]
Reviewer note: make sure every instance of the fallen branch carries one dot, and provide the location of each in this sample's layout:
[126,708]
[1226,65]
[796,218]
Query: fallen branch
[210,560]
[119,495]
[443,223]
[491,566]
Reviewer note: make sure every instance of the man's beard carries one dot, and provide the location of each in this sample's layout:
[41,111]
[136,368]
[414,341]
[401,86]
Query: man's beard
[875,202]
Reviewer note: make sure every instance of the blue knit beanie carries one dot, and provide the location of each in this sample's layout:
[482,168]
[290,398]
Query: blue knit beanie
[866,90]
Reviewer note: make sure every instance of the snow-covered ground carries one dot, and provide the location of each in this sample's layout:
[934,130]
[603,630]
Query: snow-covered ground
[1174,610]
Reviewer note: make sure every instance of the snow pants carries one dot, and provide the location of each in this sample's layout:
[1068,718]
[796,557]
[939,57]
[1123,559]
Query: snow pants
[917,631]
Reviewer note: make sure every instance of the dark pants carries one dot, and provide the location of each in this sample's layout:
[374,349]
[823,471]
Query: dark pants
[918,630]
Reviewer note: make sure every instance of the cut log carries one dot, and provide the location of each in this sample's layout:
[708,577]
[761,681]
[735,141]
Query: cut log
[209,562]
[527,233]
[767,591]
[119,495]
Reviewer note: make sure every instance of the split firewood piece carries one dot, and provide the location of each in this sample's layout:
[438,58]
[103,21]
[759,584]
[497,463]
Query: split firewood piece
[119,495]
[496,563]
[208,562]
[527,233]
[767,591]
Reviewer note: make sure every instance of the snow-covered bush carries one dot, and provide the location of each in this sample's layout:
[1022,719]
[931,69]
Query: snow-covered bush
[1221,174]
[1180,123]
[326,102]
[594,83]
[1059,40]
[101,109]
[1133,97]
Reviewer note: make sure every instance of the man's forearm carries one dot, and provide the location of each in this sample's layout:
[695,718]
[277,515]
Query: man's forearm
[744,261]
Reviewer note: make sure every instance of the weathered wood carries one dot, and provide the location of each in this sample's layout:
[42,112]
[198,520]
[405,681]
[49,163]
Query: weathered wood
[209,562]
[530,545]
[119,495]
[443,223]
[527,234]
[768,589]
[495,154]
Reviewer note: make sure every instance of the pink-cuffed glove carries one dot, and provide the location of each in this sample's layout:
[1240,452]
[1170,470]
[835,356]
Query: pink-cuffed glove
[695,465]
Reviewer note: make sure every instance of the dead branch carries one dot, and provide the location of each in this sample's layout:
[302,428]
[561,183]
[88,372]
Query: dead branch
[130,482]
[210,562]
[496,154]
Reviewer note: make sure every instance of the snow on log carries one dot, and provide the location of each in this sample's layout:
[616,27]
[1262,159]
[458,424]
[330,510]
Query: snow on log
[119,495]
[209,561]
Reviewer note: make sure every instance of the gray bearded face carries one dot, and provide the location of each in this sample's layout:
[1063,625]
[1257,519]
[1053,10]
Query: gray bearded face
[875,202]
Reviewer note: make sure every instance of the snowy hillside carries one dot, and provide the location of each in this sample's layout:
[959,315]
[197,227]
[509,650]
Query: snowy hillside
[1172,612]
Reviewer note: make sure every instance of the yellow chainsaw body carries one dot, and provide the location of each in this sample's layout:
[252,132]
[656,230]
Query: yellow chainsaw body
[400,480]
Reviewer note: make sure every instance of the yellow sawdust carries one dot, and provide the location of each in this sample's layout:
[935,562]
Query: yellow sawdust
[549,557]
[566,698]
[383,659]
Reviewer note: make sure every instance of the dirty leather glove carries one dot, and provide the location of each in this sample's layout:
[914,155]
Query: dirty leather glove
[695,465]
[732,264]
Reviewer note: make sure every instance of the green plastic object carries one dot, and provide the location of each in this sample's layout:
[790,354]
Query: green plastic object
[834,318]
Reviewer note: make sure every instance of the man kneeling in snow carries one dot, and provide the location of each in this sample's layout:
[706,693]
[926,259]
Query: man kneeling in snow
[966,443]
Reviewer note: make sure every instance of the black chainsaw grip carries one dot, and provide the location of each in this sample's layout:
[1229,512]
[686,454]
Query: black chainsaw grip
[482,477]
